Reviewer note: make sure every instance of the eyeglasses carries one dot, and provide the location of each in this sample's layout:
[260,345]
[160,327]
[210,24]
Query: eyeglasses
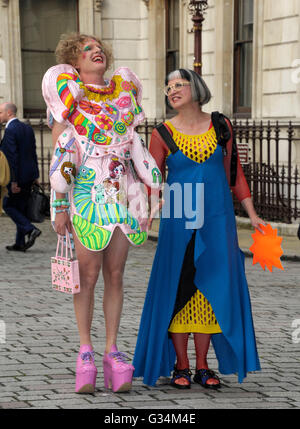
[177,86]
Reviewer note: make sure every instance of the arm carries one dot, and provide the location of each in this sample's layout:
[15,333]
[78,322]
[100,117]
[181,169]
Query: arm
[34,151]
[56,131]
[241,189]
[66,76]
[62,220]
[159,150]
[255,220]
[64,160]
[11,151]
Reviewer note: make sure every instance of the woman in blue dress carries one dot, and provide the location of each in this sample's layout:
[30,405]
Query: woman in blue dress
[197,284]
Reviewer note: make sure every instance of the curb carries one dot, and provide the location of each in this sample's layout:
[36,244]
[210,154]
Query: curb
[153,236]
[286,229]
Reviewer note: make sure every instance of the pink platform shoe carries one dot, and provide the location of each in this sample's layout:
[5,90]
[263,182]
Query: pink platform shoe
[117,372]
[86,370]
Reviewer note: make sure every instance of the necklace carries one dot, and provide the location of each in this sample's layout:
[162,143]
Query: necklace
[107,90]
[110,92]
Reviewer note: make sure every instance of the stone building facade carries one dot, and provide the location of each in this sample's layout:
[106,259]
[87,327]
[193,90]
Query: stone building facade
[136,30]
[250,52]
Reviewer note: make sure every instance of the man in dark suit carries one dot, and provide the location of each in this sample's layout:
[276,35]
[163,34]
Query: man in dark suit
[18,145]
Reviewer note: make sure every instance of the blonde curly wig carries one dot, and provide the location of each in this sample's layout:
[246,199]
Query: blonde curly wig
[70,46]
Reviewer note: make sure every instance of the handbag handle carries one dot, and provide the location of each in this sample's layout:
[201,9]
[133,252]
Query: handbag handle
[60,243]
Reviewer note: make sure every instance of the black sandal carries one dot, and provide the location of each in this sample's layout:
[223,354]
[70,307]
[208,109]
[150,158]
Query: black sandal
[202,375]
[181,373]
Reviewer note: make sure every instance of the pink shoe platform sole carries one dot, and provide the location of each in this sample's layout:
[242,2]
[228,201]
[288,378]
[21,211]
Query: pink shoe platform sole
[86,382]
[118,381]
[86,371]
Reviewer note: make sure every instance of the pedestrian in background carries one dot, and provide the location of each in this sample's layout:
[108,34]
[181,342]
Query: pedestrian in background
[18,145]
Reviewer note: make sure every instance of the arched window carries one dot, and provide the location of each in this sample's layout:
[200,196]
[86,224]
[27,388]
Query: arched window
[42,23]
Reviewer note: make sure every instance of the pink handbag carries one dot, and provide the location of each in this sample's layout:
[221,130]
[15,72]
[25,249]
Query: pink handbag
[64,270]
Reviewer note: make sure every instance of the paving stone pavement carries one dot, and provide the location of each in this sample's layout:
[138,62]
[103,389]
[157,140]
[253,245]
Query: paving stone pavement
[39,341]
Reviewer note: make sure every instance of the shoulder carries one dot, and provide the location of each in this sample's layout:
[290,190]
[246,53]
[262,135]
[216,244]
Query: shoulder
[222,117]
[19,125]
[158,133]
[58,83]
[59,69]
[127,75]
[55,74]
[13,127]
[14,123]
[221,121]
[19,130]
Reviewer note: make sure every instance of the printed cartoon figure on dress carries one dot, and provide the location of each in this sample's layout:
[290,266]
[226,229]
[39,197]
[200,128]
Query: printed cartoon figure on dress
[116,168]
[111,190]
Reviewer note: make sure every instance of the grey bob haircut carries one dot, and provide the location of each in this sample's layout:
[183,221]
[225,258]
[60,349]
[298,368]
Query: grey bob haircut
[199,89]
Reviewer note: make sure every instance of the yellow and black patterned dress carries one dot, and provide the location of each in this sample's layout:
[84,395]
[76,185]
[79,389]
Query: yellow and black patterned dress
[197,315]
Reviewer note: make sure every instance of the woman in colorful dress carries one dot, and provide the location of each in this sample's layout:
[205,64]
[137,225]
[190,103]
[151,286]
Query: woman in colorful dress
[197,284]
[96,174]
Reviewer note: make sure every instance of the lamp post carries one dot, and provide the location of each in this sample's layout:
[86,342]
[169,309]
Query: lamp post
[197,8]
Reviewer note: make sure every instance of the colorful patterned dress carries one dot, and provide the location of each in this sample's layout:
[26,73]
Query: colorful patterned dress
[99,159]
[197,282]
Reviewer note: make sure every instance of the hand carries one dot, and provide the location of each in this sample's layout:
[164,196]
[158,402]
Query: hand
[15,189]
[255,221]
[62,222]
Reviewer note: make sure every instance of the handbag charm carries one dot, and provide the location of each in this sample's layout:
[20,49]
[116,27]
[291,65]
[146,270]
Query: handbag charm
[64,269]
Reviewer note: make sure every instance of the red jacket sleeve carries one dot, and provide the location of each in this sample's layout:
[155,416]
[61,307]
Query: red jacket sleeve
[159,150]
[241,189]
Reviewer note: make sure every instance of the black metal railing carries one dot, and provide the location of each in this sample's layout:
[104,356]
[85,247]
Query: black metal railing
[270,166]
[272,171]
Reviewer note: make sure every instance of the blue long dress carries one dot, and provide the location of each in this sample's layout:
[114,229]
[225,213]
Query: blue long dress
[220,275]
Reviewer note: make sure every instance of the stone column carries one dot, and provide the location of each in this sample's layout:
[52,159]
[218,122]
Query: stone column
[257,76]
[223,73]
[157,53]
[98,4]
[86,16]
[10,54]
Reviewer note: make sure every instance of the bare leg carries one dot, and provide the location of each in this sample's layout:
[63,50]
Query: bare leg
[114,259]
[89,267]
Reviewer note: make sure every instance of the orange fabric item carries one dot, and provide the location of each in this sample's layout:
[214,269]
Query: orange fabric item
[160,151]
[266,248]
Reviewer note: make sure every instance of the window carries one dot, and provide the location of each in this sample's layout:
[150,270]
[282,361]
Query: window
[243,53]
[172,35]
[42,23]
